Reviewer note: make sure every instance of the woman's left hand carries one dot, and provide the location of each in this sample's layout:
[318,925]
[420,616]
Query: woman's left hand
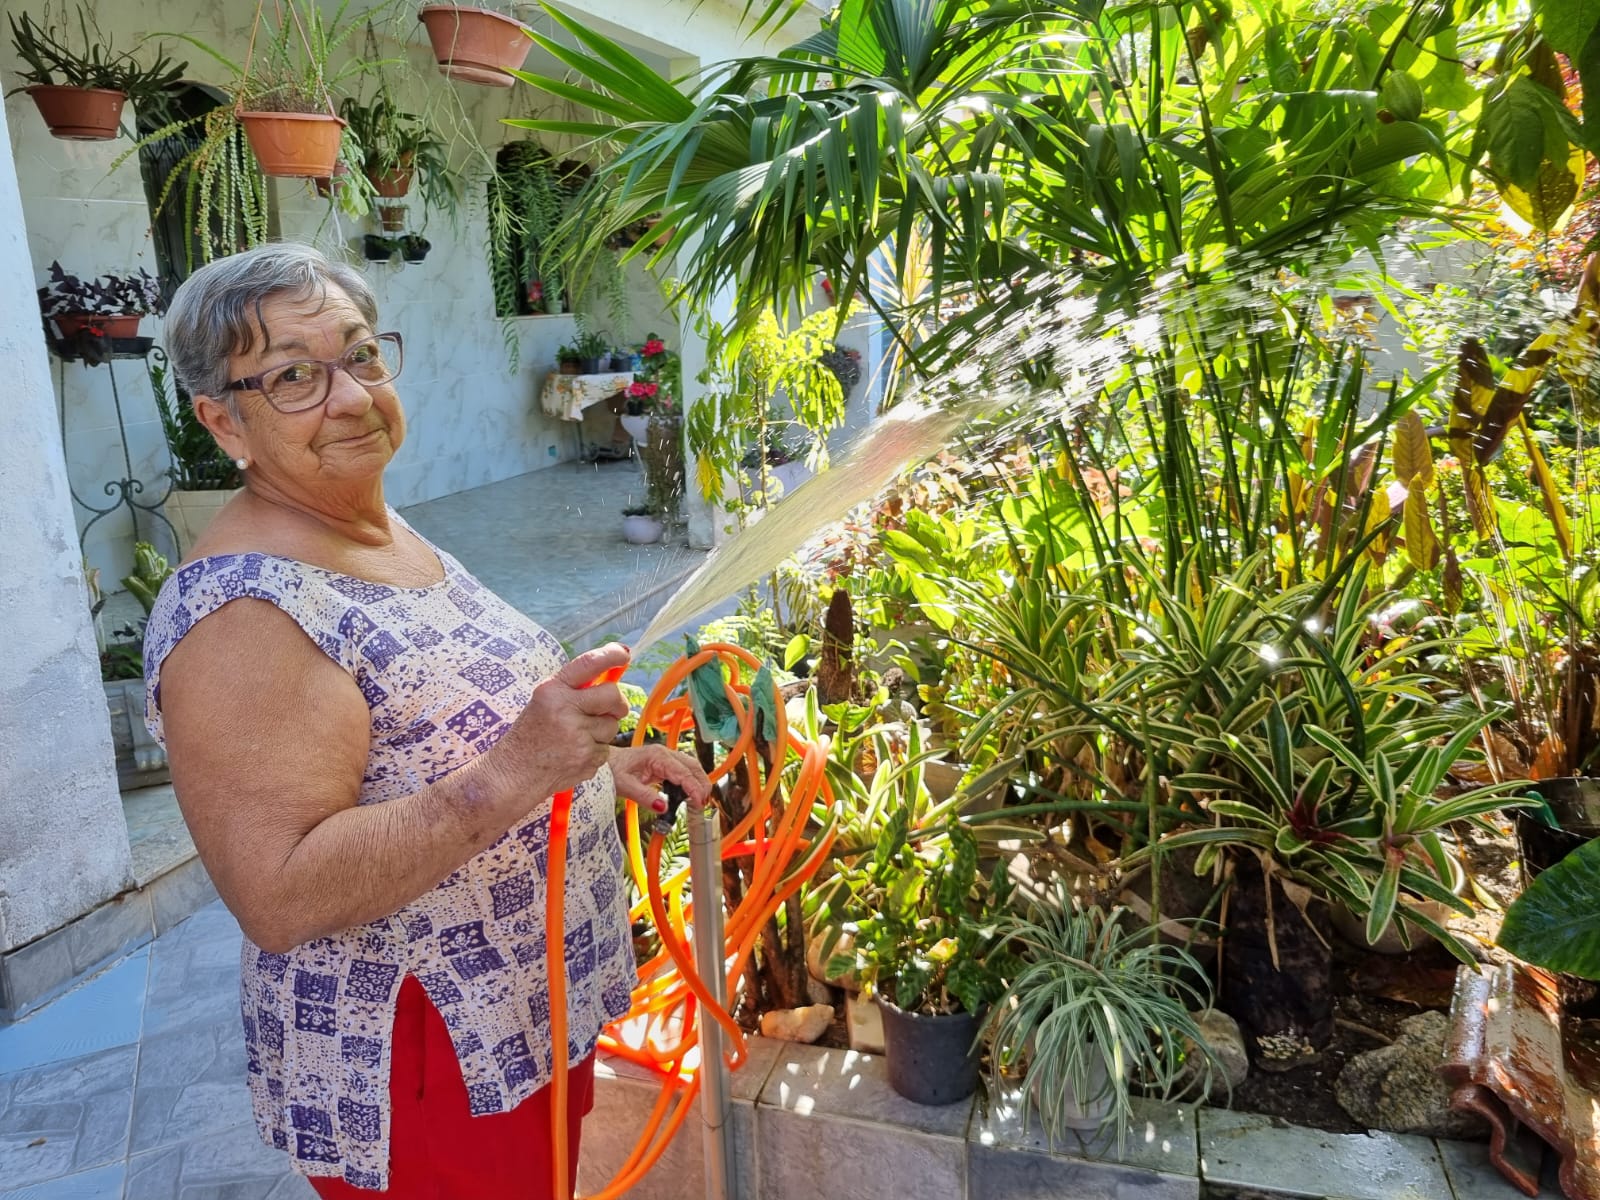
[639,771]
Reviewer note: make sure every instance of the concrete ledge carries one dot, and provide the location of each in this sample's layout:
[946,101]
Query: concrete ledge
[812,1122]
[37,973]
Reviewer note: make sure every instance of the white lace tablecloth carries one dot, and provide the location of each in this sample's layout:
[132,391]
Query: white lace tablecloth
[566,396]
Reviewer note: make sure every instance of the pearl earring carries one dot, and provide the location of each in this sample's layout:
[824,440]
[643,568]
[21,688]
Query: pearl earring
[241,463]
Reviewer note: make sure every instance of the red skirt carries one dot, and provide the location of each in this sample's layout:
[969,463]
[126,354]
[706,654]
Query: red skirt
[437,1149]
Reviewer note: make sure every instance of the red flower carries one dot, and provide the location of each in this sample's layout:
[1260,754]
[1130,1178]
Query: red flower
[654,347]
[642,389]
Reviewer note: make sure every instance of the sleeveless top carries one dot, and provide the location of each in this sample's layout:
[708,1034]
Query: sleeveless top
[445,669]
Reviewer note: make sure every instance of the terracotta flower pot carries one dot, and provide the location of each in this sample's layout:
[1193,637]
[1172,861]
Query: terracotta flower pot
[327,186]
[474,45]
[392,217]
[294,145]
[395,182]
[80,114]
[119,325]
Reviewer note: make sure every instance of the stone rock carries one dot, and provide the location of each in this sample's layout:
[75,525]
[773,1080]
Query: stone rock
[1220,1032]
[817,965]
[818,993]
[1398,1088]
[797,1024]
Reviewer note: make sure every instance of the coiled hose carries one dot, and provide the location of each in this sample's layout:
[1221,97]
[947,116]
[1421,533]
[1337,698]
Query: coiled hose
[660,1032]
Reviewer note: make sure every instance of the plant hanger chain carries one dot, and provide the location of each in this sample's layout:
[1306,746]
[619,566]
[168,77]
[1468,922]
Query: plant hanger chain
[311,54]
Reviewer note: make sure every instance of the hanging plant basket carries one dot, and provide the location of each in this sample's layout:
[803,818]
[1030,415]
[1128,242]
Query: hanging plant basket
[120,325]
[474,45]
[392,217]
[80,114]
[294,145]
[395,182]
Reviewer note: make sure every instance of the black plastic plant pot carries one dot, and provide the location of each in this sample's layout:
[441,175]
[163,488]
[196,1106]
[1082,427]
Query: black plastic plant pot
[1575,803]
[376,248]
[414,250]
[931,1059]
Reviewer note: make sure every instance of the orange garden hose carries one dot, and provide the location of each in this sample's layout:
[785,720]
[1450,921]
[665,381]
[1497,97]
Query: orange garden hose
[660,1031]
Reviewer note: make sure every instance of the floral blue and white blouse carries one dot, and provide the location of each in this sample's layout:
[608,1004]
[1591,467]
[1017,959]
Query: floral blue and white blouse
[445,669]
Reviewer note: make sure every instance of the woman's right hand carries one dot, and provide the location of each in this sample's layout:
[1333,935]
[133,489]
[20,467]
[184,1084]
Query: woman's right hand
[564,735]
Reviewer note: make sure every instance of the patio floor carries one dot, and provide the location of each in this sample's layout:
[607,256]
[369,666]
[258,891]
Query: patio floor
[550,542]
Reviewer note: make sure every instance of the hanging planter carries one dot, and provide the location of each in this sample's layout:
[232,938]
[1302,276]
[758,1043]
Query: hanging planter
[414,247]
[474,45]
[80,114]
[78,80]
[392,217]
[291,145]
[393,183]
[328,186]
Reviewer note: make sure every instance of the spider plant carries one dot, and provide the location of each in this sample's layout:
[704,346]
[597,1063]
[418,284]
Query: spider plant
[1097,1003]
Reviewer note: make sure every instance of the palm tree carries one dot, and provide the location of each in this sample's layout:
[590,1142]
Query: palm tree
[1019,144]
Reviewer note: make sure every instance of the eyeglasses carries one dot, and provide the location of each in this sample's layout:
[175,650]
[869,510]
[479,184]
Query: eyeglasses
[298,386]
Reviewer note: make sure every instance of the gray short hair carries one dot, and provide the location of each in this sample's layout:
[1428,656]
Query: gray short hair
[217,310]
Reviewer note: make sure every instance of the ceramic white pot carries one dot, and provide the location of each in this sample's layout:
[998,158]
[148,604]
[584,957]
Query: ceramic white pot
[638,427]
[190,512]
[641,530]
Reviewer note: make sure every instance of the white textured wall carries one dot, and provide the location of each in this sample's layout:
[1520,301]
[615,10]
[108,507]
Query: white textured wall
[473,420]
[63,844]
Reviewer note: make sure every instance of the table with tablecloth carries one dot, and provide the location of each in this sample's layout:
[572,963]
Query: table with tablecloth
[566,396]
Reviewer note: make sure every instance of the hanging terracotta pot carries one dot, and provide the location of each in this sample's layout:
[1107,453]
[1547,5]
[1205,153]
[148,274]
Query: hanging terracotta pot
[117,325]
[294,145]
[79,114]
[395,182]
[474,45]
[328,186]
[392,217]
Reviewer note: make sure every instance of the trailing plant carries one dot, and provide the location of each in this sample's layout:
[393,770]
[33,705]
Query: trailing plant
[1097,1004]
[51,57]
[224,196]
[198,463]
[528,195]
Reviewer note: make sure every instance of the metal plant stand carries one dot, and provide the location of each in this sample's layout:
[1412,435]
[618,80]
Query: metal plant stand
[124,491]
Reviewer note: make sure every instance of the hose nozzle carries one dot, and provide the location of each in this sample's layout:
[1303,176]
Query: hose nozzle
[675,797]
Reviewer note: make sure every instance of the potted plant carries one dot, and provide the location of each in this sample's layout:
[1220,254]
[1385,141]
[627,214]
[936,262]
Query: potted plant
[141,762]
[392,217]
[474,44]
[397,147]
[1096,1004]
[284,94]
[111,305]
[414,247]
[377,248]
[641,526]
[923,943]
[203,477]
[81,85]
[568,360]
[590,346]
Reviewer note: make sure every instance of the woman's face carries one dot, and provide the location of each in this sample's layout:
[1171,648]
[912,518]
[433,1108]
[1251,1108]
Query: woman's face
[348,439]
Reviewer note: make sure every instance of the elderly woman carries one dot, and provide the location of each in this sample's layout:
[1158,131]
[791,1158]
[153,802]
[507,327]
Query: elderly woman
[364,743]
